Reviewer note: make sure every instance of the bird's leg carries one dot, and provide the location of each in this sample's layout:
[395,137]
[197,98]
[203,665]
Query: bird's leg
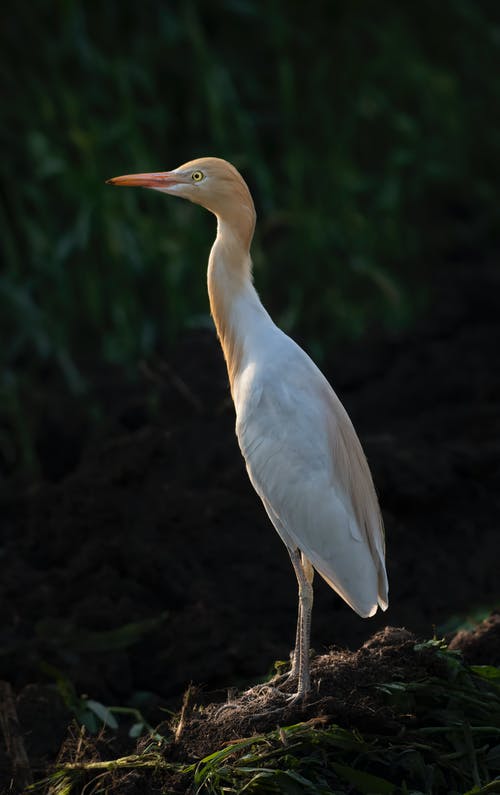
[294,670]
[300,661]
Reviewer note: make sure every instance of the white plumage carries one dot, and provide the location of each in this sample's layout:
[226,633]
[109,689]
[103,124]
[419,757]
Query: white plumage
[289,422]
[302,453]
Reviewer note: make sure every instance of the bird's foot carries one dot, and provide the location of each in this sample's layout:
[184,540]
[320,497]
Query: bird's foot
[296,698]
[275,698]
[300,681]
[262,692]
[269,697]
[287,700]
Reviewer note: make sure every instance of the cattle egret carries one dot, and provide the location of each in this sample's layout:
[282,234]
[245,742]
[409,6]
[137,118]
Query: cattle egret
[302,453]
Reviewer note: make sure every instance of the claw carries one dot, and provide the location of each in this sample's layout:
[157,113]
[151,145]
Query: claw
[296,698]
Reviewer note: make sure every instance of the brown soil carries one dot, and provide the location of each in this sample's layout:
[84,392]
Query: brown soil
[343,691]
[152,520]
[481,645]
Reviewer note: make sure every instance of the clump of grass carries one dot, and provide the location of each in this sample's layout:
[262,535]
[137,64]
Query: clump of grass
[76,777]
[445,738]
[451,744]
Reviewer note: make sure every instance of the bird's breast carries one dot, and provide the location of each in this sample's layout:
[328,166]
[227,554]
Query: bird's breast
[279,417]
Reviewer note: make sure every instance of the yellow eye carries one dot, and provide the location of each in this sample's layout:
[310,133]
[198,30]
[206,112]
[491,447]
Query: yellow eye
[197,176]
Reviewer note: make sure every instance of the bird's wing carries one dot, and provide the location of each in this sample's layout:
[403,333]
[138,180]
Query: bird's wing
[306,463]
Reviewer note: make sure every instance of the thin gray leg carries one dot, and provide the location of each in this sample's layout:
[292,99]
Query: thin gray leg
[294,671]
[300,663]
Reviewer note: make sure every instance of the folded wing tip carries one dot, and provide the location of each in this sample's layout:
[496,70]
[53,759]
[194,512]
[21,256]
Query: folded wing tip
[371,611]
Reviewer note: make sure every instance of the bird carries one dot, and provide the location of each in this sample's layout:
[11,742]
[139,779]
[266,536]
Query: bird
[302,454]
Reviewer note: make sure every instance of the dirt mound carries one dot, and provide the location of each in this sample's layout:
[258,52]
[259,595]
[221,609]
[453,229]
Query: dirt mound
[342,691]
[396,707]
[481,645]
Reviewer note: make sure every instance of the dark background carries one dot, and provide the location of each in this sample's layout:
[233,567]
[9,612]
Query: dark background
[135,556]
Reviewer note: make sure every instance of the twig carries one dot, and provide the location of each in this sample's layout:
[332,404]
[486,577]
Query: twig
[185,704]
[134,761]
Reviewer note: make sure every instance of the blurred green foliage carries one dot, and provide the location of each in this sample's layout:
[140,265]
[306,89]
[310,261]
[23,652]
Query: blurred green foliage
[369,134]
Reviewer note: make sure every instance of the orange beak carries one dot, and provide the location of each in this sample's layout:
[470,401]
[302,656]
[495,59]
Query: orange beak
[160,179]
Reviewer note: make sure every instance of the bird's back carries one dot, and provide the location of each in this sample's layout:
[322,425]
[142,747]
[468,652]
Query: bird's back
[306,463]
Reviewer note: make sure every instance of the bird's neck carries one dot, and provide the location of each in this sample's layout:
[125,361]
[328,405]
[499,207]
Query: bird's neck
[231,291]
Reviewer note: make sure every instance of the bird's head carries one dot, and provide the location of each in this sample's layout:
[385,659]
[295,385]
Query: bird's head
[210,181]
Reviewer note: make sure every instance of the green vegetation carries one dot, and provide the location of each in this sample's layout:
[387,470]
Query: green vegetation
[448,742]
[368,133]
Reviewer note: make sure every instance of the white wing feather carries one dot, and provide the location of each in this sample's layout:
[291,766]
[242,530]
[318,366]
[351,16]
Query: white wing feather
[305,461]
